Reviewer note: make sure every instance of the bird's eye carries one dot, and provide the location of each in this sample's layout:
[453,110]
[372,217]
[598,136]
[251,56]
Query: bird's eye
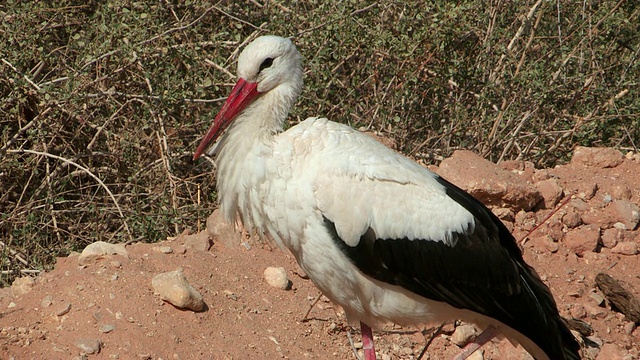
[266,63]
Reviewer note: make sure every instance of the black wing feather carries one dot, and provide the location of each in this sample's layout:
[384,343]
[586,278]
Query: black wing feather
[484,272]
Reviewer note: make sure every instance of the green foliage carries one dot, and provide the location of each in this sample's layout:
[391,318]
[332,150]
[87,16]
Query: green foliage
[122,91]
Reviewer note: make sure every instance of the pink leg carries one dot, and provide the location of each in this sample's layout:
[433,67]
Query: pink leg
[489,333]
[367,342]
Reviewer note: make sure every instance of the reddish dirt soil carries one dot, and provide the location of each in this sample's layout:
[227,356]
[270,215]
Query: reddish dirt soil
[245,318]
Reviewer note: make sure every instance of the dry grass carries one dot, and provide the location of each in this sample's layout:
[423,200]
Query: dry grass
[102,103]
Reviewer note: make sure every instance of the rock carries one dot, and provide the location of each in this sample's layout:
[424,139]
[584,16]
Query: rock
[611,237]
[174,288]
[629,327]
[582,239]
[107,328]
[611,352]
[22,285]
[551,193]
[463,334]
[199,241]
[578,311]
[98,250]
[477,355]
[626,212]
[277,277]
[163,249]
[597,298]
[626,248]
[620,192]
[63,309]
[597,157]
[46,301]
[555,230]
[572,218]
[89,346]
[487,182]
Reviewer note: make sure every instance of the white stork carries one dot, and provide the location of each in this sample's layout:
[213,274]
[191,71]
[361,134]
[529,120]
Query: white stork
[378,234]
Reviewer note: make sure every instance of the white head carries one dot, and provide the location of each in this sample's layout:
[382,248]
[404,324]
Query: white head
[268,65]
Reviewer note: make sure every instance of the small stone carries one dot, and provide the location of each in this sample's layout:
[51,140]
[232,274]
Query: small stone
[174,288]
[22,286]
[597,157]
[578,311]
[572,218]
[199,241]
[107,328]
[626,248]
[98,250]
[89,346]
[463,334]
[627,213]
[629,327]
[277,277]
[115,264]
[63,309]
[611,352]
[11,305]
[611,237]
[46,301]
[551,192]
[477,355]
[583,239]
[163,249]
[597,298]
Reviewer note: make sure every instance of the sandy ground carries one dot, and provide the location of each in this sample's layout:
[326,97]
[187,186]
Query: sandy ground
[111,300]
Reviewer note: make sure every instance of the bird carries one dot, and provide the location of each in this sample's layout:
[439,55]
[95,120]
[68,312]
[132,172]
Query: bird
[377,233]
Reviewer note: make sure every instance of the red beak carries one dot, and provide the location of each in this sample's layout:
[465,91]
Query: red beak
[241,95]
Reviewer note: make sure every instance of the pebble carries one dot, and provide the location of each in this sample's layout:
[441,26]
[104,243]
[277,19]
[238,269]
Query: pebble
[597,298]
[98,250]
[611,237]
[63,309]
[174,288]
[578,311]
[611,352]
[277,277]
[583,239]
[107,328]
[163,249]
[626,248]
[477,355]
[46,301]
[629,327]
[199,241]
[89,346]
[22,285]
[463,334]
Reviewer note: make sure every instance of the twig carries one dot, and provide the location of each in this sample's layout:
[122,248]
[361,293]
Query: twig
[153,38]
[22,130]
[524,238]
[353,13]
[433,336]
[23,75]
[97,179]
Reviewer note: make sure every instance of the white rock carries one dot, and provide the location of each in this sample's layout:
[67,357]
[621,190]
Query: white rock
[22,285]
[98,250]
[174,288]
[89,346]
[277,277]
[463,334]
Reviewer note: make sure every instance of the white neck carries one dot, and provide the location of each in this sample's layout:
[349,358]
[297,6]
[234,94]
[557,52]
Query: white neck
[245,151]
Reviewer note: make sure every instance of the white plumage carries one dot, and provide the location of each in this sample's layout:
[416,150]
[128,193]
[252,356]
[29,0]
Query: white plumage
[378,234]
